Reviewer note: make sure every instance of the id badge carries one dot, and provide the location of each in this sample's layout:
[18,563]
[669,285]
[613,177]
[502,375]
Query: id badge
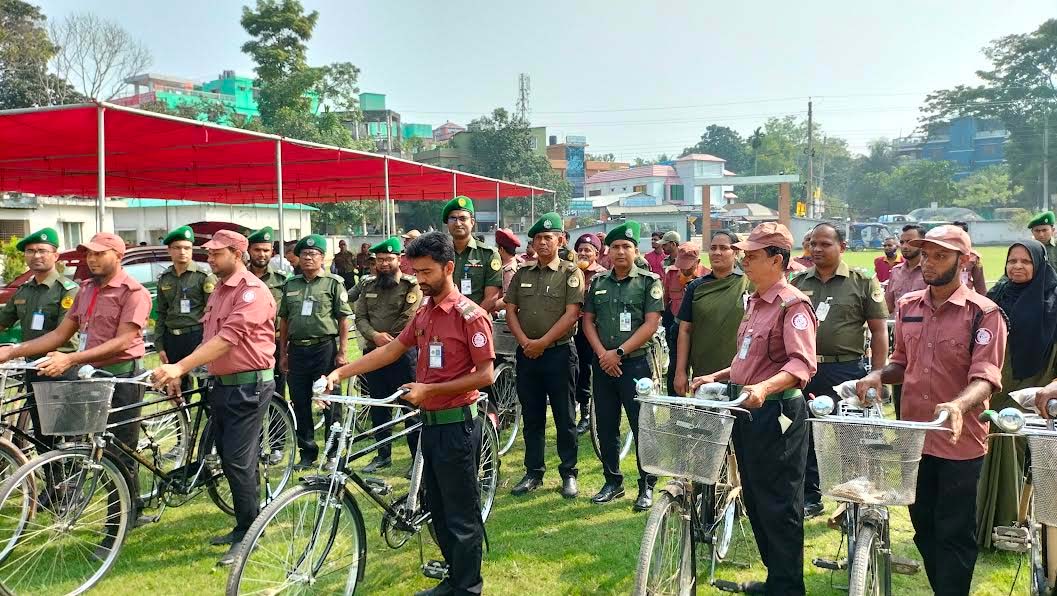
[306,307]
[746,341]
[822,311]
[436,355]
[37,323]
[185,306]
[82,343]
[625,321]
[464,286]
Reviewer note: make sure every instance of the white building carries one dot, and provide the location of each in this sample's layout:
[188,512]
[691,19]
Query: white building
[663,184]
[72,217]
[149,220]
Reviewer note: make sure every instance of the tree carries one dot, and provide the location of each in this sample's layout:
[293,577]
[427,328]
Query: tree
[206,111]
[96,55]
[639,161]
[724,142]
[988,188]
[25,50]
[909,185]
[609,157]
[1020,90]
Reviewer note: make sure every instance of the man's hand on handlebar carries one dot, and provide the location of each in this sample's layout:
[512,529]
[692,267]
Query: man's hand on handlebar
[7,353]
[699,381]
[954,419]
[416,393]
[869,388]
[57,364]
[333,380]
[1042,398]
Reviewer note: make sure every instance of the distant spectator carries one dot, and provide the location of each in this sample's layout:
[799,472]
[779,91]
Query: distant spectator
[883,264]
[973,273]
[656,256]
[804,259]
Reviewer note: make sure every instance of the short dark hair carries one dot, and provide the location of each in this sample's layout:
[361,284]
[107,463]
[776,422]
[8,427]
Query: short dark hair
[920,229]
[961,224]
[656,234]
[837,231]
[774,250]
[435,245]
[731,235]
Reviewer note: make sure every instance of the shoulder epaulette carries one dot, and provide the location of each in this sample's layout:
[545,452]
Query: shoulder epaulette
[863,272]
[68,283]
[468,309]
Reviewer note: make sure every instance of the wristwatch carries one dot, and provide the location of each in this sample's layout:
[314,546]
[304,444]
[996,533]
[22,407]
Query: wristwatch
[620,351]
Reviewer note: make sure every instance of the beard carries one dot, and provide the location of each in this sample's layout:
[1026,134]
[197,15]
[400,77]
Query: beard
[386,280]
[945,277]
[890,254]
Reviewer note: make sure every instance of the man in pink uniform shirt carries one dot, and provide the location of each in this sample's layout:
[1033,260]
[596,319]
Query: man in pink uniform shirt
[949,347]
[239,349]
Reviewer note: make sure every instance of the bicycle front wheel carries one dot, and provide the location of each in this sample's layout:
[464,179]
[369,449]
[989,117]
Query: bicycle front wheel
[507,405]
[666,560]
[866,576]
[488,466]
[310,540]
[76,532]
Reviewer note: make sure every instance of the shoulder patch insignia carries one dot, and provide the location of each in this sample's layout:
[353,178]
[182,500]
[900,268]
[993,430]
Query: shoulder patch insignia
[479,340]
[984,336]
[574,281]
[800,321]
[877,295]
[344,296]
[248,296]
[67,302]
[208,287]
[496,265]
[656,292]
[411,298]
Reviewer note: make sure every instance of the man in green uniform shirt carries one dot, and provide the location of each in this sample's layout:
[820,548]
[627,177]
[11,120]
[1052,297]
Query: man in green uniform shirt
[183,289]
[260,249]
[1041,227]
[543,305]
[313,335]
[621,313]
[477,267]
[846,301]
[388,300]
[40,304]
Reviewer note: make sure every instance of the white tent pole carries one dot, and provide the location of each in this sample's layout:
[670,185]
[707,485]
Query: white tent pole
[388,201]
[279,194]
[454,186]
[100,176]
[498,209]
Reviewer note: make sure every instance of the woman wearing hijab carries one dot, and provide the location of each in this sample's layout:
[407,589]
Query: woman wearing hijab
[712,309]
[1028,296]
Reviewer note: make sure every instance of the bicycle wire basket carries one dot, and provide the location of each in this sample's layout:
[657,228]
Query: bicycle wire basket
[503,339]
[70,408]
[868,464]
[683,441]
[1043,450]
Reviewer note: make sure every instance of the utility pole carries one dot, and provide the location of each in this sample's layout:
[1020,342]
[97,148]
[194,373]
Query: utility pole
[810,161]
[1046,161]
[821,170]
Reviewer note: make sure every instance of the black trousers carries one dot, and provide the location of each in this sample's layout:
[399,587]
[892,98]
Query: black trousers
[33,376]
[382,383]
[612,393]
[772,475]
[308,363]
[126,394]
[178,347]
[671,337]
[450,454]
[237,413]
[584,356]
[829,374]
[552,375]
[944,518]
[280,378]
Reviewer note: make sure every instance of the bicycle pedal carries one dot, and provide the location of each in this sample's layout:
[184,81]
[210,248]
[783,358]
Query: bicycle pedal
[838,565]
[904,566]
[378,486]
[437,570]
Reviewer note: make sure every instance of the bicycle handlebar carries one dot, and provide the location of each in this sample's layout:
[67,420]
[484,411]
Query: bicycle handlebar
[822,406]
[353,399]
[21,364]
[91,373]
[644,387]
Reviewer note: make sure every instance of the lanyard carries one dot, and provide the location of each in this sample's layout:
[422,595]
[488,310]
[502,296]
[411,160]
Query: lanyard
[91,303]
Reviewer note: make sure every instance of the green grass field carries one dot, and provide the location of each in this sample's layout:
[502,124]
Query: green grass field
[993,258]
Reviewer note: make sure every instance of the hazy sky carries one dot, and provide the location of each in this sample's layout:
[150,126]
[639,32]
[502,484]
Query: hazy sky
[637,78]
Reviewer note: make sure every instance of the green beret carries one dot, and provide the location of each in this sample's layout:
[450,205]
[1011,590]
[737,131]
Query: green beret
[550,222]
[311,241]
[261,236]
[390,246]
[180,233]
[1046,218]
[41,236]
[629,230]
[460,202]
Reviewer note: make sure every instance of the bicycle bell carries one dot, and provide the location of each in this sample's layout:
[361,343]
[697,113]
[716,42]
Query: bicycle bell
[1010,420]
[821,406]
[86,372]
[644,386]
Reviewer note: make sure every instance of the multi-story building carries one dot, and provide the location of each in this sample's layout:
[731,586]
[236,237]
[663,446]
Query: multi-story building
[446,131]
[969,143]
[664,184]
[570,161]
[385,127]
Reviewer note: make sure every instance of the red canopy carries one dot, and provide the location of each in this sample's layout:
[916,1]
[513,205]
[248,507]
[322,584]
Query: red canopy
[54,151]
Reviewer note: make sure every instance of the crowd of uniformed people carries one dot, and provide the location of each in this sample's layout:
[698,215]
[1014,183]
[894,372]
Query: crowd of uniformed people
[780,328]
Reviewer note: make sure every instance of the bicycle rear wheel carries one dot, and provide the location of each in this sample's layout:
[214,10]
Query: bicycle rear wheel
[866,576]
[163,441]
[508,407]
[666,557]
[488,466]
[310,540]
[76,532]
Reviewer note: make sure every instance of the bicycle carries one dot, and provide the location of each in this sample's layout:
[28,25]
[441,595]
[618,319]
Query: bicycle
[64,514]
[1036,507]
[311,539]
[868,464]
[687,439]
[506,407]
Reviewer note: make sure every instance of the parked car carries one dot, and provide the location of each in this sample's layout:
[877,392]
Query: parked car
[863,236]
[144,263]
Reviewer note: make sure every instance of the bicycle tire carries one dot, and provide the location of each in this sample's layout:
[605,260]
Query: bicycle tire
[163,441]
[864,575]
[488,464]
[269,525]
[629,437]
[676,577]
[275,472]
[44,570]
[508,407]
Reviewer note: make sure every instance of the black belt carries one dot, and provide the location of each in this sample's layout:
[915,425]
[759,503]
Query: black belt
[313,341]
[184,330]
[832,359]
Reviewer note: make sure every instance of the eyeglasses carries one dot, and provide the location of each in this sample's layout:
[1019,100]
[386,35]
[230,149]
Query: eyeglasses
[457,219]
[32,252]
[310,254]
